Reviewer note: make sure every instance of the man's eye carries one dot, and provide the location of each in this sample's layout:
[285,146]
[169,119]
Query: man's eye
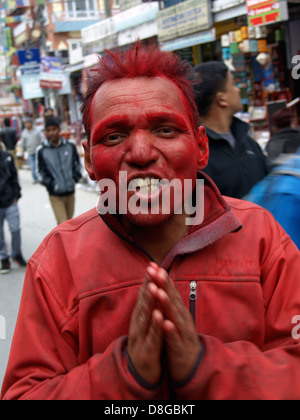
[166,131]
[113,138]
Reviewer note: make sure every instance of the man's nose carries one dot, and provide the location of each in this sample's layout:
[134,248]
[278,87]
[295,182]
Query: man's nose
[141,150]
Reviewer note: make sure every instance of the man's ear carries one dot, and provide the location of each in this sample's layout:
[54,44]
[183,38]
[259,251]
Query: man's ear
[221,99]
[203,148]
[87,160]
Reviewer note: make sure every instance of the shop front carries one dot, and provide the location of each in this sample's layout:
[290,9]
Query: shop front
[185,27]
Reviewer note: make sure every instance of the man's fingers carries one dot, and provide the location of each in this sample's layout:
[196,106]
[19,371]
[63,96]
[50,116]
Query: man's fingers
[162,280]
[172,306]
[155,332]
[142,313]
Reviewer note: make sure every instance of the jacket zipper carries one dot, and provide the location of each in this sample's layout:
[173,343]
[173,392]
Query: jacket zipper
[193,297]
[61,169]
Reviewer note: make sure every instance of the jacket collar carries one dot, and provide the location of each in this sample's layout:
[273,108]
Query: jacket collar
[48,143]
[219,220]
[287,130]
[238,128]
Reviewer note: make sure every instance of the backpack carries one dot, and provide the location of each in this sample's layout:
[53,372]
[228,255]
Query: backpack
[279,192]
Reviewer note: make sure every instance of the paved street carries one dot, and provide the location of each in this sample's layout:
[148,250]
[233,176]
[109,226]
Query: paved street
[37,220]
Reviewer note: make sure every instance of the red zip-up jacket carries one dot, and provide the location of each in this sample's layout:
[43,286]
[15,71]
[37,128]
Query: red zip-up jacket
[238,272]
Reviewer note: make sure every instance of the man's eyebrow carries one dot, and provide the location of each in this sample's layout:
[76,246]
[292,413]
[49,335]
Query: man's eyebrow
[116,121]
[110,122]
[165,117]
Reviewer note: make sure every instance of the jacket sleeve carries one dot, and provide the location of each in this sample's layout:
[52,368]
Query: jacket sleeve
[241,370]
[43,173]
[43,362]
[15,138]
[23,142]
[14,179]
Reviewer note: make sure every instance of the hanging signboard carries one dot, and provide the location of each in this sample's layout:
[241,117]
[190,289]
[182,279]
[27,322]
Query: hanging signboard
[28,57]
[56,81]
[51,65]
[51,84]
[262,12]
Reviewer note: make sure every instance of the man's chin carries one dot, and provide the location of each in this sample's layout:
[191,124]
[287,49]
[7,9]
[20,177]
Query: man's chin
[146,220]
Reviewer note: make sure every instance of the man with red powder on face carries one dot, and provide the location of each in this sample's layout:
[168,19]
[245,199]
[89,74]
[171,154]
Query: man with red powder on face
[144,306]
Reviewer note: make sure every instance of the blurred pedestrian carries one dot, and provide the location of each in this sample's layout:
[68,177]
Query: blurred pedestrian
[279,193]
[9,137]
[10,192]
[236,161]
[286,139]
[59,169]
[48,112]
[30,140]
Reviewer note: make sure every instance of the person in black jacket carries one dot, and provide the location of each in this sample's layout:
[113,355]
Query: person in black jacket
[236,161]
[9,138]
[286,139]
[58,168]
[10,192]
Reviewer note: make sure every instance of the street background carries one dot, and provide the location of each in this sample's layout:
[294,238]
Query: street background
[37,220]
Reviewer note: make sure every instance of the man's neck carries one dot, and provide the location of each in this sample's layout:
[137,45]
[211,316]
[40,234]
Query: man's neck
[56,143]
[217,121]
[158,240]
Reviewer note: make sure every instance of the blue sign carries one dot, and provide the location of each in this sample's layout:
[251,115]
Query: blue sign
[29,56]
[51,65]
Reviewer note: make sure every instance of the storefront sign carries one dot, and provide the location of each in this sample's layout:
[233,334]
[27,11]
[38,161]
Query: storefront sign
[183,19]
[106,31]
[167,24]
[144,31]
[192,16]
[220,5]
[261,12]
[98,31]
[135,16]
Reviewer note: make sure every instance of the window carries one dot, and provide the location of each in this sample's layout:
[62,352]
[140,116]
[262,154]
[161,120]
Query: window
[81,8]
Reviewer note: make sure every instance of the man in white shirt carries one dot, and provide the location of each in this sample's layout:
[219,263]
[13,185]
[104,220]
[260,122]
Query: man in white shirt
[31,139]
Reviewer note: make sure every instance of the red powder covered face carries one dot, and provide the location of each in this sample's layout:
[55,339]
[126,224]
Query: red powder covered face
[142,126]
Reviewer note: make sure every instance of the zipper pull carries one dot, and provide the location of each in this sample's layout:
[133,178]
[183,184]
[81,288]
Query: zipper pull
[193,291]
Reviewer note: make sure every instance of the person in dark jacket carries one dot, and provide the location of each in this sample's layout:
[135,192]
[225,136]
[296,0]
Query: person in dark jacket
[286,139]
[9,138]
[236,161]
[10,192]
[58,168]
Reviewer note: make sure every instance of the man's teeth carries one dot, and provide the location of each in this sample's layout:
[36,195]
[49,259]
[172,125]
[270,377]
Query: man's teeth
[144,185]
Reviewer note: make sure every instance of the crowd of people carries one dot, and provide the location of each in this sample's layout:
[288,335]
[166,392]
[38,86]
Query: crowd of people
[54,162]
[141,305]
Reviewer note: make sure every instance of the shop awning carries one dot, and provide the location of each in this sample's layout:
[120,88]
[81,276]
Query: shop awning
[188,41]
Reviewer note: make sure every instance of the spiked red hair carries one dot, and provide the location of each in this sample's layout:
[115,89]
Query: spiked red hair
[140,61]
